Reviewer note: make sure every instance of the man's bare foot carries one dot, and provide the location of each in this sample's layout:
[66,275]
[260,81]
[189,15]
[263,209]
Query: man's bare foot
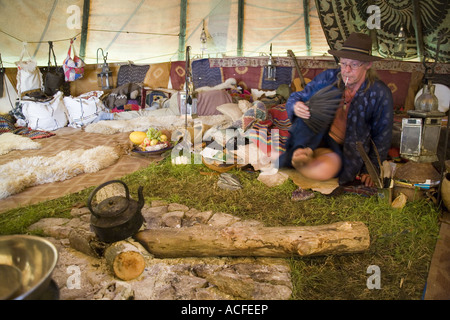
[300,157]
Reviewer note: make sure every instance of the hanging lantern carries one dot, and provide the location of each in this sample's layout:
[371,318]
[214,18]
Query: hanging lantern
[104,77]
[271,68]
[203,39]
[400,45]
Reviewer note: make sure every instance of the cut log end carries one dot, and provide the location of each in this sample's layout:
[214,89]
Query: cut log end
[128,265]
[125,260]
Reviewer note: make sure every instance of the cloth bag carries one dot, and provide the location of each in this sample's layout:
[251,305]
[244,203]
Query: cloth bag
[29,77]
[47,116]
[83,109]
[54,75]
[73,68]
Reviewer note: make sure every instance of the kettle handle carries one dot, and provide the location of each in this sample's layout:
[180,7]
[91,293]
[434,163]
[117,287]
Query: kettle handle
[93,193]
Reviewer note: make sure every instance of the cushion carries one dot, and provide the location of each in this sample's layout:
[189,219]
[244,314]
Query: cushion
[230,110]
[257,112]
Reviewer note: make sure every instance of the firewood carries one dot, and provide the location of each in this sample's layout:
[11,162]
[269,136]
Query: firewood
[203,240]
[125,260]
[87,243]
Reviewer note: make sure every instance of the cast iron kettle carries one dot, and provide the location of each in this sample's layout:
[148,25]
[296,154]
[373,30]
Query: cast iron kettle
[118,217]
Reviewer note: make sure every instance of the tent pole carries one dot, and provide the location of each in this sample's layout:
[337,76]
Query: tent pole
[418,29]
[307,27]
[84,28]
[240,35]
[182,36]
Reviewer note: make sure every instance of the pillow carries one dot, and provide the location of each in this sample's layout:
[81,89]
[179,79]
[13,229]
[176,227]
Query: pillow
[244,105]
[257,112]
[230,110]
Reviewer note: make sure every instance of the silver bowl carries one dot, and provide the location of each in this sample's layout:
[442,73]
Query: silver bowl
[36,259]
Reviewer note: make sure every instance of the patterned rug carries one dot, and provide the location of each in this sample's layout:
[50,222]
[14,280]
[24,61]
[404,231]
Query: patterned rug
[342,17]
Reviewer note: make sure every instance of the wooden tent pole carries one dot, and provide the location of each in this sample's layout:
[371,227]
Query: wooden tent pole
[182,36]
[84,28]
[307,26]
[240,35]
[418,28]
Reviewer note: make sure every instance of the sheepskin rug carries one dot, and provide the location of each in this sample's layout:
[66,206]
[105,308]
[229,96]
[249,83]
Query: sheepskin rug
[10,141]
[145,122]
[30,171]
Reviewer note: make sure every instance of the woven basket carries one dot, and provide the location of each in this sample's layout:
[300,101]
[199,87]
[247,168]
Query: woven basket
[218,166]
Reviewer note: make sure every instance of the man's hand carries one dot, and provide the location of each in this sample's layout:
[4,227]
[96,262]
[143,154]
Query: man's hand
[301,110]
[367,180]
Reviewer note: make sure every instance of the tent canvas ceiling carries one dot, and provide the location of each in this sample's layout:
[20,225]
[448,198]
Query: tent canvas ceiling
[149,31]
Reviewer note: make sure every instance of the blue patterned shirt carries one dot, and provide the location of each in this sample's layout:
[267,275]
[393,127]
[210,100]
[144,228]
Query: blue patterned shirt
[370,118]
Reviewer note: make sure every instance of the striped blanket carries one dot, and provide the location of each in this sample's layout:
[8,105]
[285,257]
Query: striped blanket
[272,133]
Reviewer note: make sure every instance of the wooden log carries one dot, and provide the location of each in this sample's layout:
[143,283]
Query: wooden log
[203,240]
[87,242]
[125,260]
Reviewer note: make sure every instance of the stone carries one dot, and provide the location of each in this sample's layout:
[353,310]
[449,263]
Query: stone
[177,207]
[153,215]
[220,220]
[172,219]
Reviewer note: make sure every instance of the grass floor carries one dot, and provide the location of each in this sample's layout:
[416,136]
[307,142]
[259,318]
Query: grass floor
[402,240]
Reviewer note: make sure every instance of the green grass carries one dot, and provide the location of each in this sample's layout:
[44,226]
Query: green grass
[402,241]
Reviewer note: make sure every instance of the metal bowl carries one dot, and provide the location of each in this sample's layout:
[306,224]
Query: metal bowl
[36,259]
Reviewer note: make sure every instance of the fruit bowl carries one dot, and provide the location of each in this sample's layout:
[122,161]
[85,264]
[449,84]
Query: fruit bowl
[152,152]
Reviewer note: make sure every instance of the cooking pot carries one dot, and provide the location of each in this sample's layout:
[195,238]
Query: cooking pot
[116,218]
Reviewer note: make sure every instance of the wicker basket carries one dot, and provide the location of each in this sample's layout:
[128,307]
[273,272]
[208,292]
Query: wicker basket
[218,166]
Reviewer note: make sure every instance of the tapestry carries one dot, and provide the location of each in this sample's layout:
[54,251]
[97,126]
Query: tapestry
[205,76]
[178,74]
[158,75]
[131,73]
[246,77]
[342,17]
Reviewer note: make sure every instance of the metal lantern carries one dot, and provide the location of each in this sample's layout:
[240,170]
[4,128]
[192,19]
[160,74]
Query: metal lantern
[104,77]
[400,46]
[203,39]
[271,68]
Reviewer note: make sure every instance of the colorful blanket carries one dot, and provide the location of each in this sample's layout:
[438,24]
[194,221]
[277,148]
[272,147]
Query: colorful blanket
[272,133]
[7,125]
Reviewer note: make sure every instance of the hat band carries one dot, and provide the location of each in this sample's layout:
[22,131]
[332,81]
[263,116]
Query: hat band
[356,50]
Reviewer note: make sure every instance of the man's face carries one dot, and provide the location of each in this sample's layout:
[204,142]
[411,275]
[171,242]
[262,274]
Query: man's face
[353,71]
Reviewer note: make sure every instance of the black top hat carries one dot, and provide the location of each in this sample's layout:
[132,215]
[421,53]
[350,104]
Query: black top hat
[358,46]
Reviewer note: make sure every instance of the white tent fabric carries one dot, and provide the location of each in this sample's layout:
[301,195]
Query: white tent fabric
[148,31]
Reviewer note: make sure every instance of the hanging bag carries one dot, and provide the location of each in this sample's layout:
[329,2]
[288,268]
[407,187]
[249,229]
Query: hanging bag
[73,68]
[29,77]
[54,76]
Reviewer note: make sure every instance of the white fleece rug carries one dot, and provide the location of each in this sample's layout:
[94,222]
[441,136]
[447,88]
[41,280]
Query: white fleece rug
[10,141]
[146,122]
[19,174]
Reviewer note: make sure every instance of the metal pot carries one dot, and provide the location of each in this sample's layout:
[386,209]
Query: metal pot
[118,217]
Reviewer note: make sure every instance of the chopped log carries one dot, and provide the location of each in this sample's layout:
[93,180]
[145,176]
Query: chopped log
[203,240]
[87,242]
[125,260]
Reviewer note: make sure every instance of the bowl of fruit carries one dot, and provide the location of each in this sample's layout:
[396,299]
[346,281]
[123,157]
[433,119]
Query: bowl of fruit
[152,142]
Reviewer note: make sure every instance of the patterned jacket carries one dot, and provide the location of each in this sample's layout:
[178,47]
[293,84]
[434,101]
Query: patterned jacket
[370,118]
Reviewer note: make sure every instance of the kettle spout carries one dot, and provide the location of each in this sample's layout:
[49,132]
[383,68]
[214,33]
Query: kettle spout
[141,197]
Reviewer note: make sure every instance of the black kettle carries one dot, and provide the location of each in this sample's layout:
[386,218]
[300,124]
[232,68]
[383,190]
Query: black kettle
[118,217]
